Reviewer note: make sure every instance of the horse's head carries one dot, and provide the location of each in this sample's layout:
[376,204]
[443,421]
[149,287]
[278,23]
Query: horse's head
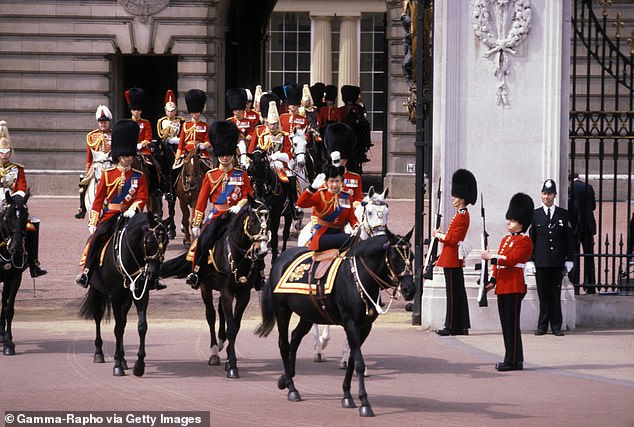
[299,143]
[190,170]
[257,171]
[256,226]
[155,242]
[14,220]
[399,262]
[374,213]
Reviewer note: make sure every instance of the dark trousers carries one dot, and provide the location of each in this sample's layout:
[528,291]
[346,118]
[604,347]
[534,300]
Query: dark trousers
[457,315]
[509,308]
[104,230]
[333,239]
[208,236]
[549,292]
[586,241]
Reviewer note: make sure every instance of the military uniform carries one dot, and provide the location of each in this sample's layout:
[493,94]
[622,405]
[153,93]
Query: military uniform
[169,130]
[97,141]
[193,134]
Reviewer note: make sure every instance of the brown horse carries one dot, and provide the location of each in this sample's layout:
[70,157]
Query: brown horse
[186,189]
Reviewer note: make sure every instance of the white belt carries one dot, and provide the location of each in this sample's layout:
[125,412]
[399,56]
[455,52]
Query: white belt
[518,265]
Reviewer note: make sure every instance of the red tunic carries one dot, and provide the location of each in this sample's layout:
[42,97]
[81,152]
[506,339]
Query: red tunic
[332,211]
[245,126]
[97,141]
[12,178]
[257,133]
[192,135]
[253,117]
[290,121]
[118,191]
[329,114]
[145,136]
[515,250]
[224,189]
[352,186]
[456,233]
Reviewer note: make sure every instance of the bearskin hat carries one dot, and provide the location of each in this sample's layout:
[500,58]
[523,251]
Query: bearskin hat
[135,97]
[317,92]
[170,100]
[236,99]
[125,135]
[224,137]
[264,103]
[340,137]
[293,94]
[103,114]
[464,186]
[521,209]
[279,91]
[549,186]
[195,100]
[350,93]
[330,93]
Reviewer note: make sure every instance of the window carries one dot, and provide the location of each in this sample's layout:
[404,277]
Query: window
[372,64]
[289,49]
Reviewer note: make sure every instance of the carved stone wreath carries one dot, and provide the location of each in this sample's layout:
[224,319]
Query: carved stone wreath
[144,8]
[490,21]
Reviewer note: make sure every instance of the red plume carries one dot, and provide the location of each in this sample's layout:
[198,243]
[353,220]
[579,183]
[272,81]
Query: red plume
[127,96]
[170,97]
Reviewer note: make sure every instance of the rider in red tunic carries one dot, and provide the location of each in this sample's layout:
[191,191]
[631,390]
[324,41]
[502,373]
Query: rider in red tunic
[237,103]
[258,131]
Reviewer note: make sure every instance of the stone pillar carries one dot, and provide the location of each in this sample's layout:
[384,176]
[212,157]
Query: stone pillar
[348,52]
[509,149]
[321,65]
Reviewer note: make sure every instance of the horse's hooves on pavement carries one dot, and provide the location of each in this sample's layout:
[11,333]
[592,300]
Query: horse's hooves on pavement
[9,350]
[366,411]
[118,371]
[214,361]
[293,396]
[319,357]
[347,402]
[233,373]
[98,358]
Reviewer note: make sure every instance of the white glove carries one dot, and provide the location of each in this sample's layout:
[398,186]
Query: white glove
[139,146]
[319,180]
[129,213]
[277,165]
[291,164]
[530,268]
[91,229]
[335,158]
[274,156]
[235,209]
[569,265]
[196,232]
[201,146]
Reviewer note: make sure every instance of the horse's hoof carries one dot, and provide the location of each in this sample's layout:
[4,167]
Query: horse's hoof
[343,364]
[118,371]
[366,411]
[124,364]
[139,369]
[233,373]
[293,396]
[214,360]
[319,357]
[281,382]
[9,350]
[347,402]
[98,358]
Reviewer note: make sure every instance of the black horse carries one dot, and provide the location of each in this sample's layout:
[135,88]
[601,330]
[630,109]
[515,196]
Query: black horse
[267,186]
[234,269]
[380,262]
[131,263]
[164,156]
[12,262]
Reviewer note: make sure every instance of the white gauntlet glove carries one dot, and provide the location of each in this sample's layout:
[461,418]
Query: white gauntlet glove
[235,209]
[129,213]
[530,268]
[569,265]
[202,147]
[276,164]
[319,180]
[91,229]
[196,232]
[139,146]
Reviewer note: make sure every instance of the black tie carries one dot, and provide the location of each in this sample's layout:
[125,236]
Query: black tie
[548,214]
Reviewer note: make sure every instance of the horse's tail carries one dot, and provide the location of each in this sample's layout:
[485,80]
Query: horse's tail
[95,305]
[176,267]
[268,316]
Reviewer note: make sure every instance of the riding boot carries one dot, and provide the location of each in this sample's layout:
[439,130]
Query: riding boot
[81,212]
[82,278]
[192,279]
[156,285]
[32,248]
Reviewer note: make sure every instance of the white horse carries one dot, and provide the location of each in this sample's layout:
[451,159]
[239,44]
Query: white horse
[299,144]
[372,214]
[100,162]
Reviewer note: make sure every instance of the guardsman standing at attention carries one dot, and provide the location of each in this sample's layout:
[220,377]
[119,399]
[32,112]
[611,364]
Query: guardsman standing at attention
[292,119]
[169,126]
[226,187]
[13,180]
[97,150]
[122,190]
[194,134]
[507,276]
[464,191]
[552,259]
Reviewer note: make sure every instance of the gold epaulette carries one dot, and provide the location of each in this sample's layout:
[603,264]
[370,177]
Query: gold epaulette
[14,164]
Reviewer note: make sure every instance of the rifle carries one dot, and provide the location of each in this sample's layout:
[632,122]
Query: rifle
[483,281]
[432,253]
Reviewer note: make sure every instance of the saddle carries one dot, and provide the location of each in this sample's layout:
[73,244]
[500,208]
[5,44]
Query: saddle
[321,263]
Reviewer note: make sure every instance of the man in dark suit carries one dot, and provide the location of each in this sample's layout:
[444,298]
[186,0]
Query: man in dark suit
[551,234]
[582,204]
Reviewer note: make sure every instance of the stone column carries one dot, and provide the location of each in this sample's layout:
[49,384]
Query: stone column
[321,65]
[348,52]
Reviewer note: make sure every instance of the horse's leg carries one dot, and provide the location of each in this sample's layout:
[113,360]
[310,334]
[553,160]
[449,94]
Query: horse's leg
[300,331]
[3,318]
[120,309]
[356,337]
[275,225]
[286,233]
[141,310]
[11,286]
[285,380]
[98,356]
[171,212]
[233,319]
[222,327]
[210,315]
[185,222]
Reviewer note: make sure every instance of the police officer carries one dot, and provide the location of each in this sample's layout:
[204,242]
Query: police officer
[552,238]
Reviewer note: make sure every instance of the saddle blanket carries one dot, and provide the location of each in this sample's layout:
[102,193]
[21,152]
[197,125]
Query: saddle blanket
[295,277]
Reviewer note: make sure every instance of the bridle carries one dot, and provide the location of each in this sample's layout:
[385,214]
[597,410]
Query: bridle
[370,230]
[188,178]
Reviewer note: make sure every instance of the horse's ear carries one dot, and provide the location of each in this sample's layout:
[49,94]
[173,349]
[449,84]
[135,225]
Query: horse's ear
[371,192]
[408,236]
[389,234]
[385,193]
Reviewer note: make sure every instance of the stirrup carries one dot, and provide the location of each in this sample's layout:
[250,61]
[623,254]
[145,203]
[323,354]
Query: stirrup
[192,280]
[37,271]
[82,280]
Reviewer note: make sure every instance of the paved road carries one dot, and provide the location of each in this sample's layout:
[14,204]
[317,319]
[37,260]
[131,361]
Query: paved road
[416,378]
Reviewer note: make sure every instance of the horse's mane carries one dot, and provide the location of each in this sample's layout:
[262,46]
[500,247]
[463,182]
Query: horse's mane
[372,244]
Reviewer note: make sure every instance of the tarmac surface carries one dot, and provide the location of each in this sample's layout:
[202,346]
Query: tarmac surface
[585,378]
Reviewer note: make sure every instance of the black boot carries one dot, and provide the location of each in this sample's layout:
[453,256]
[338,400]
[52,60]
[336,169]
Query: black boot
[192,280]
[157,286]
[81,212]
[32,248]
[82,278]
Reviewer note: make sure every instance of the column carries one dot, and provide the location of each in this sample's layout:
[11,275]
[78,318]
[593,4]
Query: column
[321,65]
[348,52]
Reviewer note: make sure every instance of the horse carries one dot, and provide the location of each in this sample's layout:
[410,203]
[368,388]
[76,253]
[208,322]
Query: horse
[268,187]
[12,262]
[233,270]
[187,187]
[131,262]
[380,262]
[101,162]
[164,156]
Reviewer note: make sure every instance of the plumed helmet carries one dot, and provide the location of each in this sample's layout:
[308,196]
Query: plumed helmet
[317,92]
[521,209]
[464,186]
[136,98]
[265,101]
[331,93]
[125,135]
[195,100]
[258,94]
[350,93]
[170,100]
[272,115]
[236,99]
[549,186]
[293,94]
[340,137]
[103,114]
[224,137]
[5,140]
[279,91]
